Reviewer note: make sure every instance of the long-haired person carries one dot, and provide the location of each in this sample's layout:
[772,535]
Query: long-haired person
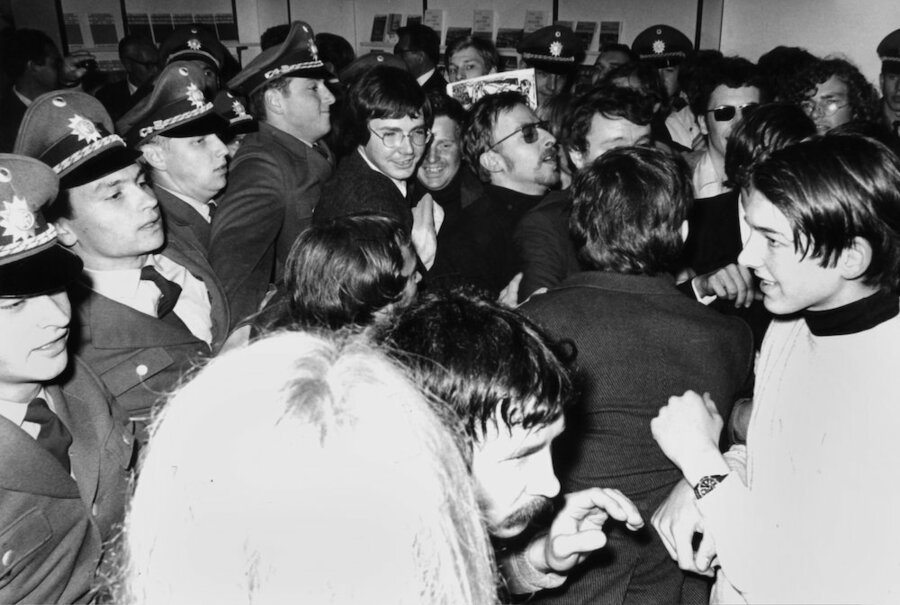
[307,470]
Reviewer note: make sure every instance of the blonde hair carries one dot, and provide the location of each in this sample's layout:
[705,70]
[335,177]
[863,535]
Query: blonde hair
[303,469]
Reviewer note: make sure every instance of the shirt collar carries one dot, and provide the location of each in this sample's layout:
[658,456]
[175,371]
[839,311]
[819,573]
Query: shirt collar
[857,316]
[424,77]
[201,207]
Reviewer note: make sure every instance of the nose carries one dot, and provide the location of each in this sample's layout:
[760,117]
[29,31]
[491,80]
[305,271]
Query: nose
[54,310]
[751,254]
[432,156]
[549,140]
[544,482]
[220,149]
[406,146]
[326,95]
[146,199]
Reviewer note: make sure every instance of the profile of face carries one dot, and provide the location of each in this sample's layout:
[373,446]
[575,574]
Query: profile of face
[47,73]
[514,474]
[467,63]
[416,61]
[723,98]
[115,221]
[669,78]
[141,62]
[890,90]
[548,84]
[790,282]
[608,60]
[306,108]
[607,134]
[524,157]
[396,145]
[443,158]
[829,104]
[196,166]
[33,347]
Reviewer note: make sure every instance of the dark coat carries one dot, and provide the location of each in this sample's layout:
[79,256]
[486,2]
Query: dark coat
[12,110]
[714,241]
[117,99]
[543,245]
[274,184]
[182,221]
[436,83]
[53,526]
[141,358]
[356,188]
[639,342]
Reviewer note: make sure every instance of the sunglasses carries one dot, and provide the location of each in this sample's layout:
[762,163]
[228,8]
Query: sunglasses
[725,113]
[826,106]
[529,132]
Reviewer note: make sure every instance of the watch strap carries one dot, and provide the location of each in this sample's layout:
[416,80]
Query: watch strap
[707,484]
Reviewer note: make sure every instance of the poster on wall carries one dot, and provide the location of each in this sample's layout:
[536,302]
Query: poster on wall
[609,32]
[94,25]
[157,18]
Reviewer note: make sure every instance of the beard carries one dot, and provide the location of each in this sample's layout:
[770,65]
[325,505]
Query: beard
[519,519]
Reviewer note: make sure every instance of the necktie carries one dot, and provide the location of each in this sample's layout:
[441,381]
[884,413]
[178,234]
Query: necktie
[169,291]
[53,436]
[212,209]
[321,150]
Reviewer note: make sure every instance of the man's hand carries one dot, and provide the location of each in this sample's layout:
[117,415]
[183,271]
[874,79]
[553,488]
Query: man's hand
[75,66]
[676,520]
[577,529]
[687,430]
[731,282]
[424,232]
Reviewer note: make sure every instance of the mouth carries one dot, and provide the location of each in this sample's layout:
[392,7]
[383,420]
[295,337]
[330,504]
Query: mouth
[152,224]
[550,156]
[433,169]
[55,346]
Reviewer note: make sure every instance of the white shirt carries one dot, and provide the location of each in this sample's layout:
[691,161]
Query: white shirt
[707,180]
[126,287]
[15,412]
[202,208]
[424,77]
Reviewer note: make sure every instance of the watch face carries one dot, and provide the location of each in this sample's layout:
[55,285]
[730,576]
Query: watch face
[707,484]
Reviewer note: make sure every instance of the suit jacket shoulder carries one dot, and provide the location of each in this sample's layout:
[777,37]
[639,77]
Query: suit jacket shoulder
[274,184]
[355,188]
[182,221]
[543,245]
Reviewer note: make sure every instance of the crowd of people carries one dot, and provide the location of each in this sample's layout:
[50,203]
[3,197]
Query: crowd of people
[309,329]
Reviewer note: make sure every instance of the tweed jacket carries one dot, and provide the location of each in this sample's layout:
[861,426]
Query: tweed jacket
[639,341]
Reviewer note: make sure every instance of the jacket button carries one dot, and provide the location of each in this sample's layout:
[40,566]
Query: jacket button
[7,558]
[141,370]
[95,510]
[126,439]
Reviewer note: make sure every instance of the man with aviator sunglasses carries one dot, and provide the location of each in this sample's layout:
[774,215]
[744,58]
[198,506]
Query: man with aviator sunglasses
[730,92]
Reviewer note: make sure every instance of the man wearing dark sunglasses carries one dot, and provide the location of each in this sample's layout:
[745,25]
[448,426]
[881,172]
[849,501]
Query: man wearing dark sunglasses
[516,156]
[140,59]
[730,91]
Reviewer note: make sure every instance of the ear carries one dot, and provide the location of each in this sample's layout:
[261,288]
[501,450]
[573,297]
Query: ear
[704,127]
[64,232]
[154,156]
[491,161]
[273,101]
[577,158]
[855,259]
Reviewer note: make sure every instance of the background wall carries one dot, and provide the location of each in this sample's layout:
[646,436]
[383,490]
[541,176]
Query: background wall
[851,27]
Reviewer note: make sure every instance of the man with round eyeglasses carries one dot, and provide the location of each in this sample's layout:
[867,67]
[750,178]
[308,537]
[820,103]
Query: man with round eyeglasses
[388,121]
[729,93]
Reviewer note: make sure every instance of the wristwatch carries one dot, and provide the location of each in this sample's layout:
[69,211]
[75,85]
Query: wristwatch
[707,484]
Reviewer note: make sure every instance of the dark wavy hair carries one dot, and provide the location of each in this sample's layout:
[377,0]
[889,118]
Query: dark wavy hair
[341,273]
[862,96]
[834,188]
[643,77]
[382,92]
[479,131]
[769,128]
[609,101]
[628,208]
[732,72]
[488,363]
